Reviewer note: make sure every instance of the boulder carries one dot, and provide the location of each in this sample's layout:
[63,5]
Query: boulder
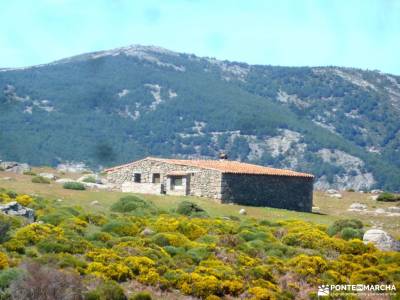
[380,211]
[357,207]
[332,191]
[393,209]
[376,192]
[337,196]
[14,167]
[95,186]
[50,176]
[16,209]
[147,231]
[95,176]
[242,212]
[72,168]
[374,197]
[381,239]
[64,180]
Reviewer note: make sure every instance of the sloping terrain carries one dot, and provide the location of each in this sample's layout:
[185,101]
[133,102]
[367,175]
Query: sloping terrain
[115,106]
[96,244]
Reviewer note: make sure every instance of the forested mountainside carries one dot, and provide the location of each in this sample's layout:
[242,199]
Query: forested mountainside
[111,107]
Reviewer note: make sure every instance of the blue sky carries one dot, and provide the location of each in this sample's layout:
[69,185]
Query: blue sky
[353,33]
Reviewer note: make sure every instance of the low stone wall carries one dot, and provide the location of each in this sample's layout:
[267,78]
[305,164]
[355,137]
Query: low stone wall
[294,193]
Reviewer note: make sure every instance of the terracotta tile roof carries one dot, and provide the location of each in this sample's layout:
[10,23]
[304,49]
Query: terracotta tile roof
[225,166]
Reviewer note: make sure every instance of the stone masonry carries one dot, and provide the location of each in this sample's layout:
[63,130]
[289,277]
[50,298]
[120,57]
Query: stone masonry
[198,182]
[230,182]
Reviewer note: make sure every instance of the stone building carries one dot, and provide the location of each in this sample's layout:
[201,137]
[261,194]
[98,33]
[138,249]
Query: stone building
[228,181]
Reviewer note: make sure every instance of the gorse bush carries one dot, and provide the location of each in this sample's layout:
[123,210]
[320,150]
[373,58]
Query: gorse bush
[74,186]
[388,197]
[188,208]
[40,179]
[3,261]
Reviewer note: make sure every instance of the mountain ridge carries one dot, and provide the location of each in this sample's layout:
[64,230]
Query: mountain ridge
[117,105]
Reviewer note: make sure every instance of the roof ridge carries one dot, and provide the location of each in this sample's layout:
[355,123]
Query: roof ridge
[224,166]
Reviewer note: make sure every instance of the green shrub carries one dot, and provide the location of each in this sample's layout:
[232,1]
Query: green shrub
[29,173]
[12,194]
[191,209]
[7,276]
[198,254]
[141,296]
[74,186]
[40,179]
[53,246]
[339,225]
[388,197]
[109,290]
[121,228]
[54,218]
[89,179]
[349,233]
[133,204]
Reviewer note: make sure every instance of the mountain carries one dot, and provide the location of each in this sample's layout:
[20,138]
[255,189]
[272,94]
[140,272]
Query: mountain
[110,107]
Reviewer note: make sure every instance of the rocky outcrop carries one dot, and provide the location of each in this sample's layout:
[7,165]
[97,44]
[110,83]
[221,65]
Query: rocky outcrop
[70,167]
[357,207]
[50,176]
[14,167]
[16,209]
[381,239]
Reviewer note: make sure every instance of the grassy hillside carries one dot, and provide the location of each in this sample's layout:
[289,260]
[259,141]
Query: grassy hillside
[150,247]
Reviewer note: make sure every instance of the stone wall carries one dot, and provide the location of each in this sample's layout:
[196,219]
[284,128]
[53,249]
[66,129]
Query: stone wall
[201,182]
[294,193]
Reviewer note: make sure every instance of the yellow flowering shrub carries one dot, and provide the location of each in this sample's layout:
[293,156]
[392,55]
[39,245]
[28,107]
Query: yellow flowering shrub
[3,261]
[247,260]
[171,239]
[75,224]
[115,271]
[200,285]
[150,277]
[35,232]
[216,268]
[310,267]
[344,267]
[24,200]
[232,287]
[139,264]
[166,224]
[368,276]
[357,246]
[103,255]
[259,293]
[191,230]
[5,198]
